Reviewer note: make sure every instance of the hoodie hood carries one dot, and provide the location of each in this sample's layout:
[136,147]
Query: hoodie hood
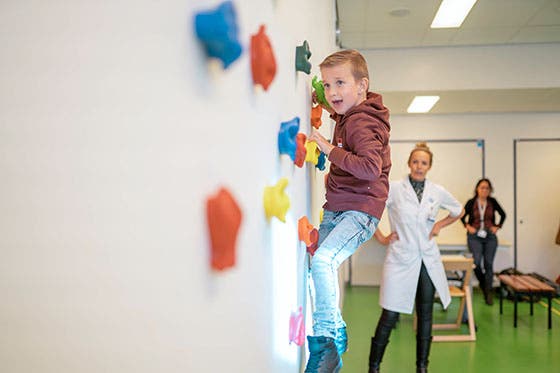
[372,106]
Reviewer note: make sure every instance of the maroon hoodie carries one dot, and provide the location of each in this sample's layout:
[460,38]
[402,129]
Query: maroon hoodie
[361,159]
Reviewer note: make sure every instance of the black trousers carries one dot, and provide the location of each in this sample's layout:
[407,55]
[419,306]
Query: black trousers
[483,251]
[425,293]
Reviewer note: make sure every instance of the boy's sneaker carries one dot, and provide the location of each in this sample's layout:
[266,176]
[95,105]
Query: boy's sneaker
[341,341]
[323,357]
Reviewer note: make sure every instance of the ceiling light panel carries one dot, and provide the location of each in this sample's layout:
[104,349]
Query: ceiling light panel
[452,13]
[422,104]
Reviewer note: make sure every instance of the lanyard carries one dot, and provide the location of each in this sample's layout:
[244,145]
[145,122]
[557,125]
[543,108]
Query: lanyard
[481,210]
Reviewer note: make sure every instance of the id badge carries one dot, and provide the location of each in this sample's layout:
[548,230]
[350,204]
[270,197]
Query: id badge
[434,208]
[481,234]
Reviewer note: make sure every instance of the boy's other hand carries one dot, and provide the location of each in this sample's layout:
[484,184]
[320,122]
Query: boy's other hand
[322,143]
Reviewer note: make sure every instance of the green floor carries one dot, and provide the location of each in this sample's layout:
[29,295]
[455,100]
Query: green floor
[531,347]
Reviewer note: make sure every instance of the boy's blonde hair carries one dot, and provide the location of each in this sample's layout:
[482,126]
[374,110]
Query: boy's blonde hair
[356,60]
[421,146]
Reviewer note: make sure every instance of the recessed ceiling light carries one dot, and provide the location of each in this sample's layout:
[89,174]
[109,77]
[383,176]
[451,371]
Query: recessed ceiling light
[399,11]
[452,13]
[422,104]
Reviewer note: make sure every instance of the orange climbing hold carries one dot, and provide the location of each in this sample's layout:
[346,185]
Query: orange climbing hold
[224,219]
[304,230]
[314,237]
[316,113]
[263,63]
[301,151]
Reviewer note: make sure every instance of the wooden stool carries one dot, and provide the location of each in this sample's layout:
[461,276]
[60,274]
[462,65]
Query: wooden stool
[459,263]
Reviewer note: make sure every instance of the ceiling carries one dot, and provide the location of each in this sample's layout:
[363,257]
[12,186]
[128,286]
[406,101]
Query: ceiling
[366,24]
[381,24]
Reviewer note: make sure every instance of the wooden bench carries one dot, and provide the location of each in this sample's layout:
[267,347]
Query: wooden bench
[521,285]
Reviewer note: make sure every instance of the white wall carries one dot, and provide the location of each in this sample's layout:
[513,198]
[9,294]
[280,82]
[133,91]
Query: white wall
[498,131]
[114,129]
[456,68]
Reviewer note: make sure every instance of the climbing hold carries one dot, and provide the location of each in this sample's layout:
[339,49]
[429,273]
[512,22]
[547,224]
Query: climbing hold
[304,229]
[217,30]
[224,219]
[263,63]
[321,161]
[314,237]
[302,58]
[276,201]
[287,137]
[297,328]
[316,113]
[312,152]
[301,150]
[320,91]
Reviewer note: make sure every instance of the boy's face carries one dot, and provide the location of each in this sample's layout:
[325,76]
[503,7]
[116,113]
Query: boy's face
[342,91]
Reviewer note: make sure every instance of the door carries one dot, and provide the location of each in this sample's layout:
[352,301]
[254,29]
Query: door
[537,201]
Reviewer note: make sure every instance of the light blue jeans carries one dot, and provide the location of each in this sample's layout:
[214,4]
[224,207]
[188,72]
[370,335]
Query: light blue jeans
[340,235]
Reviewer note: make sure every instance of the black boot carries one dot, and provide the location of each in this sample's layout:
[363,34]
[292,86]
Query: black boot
[376,355]
[422,353]
[385,325]
[481,280]
[489,296]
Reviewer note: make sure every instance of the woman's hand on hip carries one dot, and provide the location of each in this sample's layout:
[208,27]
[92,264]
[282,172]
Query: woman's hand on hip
[385,240]
[435,230]
[393,237]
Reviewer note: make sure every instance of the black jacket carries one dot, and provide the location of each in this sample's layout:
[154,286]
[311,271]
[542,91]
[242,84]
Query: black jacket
[491,208]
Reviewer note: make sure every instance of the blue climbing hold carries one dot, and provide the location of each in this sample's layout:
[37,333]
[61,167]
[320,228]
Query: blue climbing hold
[321,162]
[287,137]
[217,30]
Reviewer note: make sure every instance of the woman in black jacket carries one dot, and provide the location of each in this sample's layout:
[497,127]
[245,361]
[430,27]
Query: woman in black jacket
[480,221]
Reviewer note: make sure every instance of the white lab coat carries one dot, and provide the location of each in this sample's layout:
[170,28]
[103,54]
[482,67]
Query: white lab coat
[413,222]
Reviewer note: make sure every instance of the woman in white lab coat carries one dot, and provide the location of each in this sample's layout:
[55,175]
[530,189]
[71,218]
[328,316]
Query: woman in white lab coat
[413,270]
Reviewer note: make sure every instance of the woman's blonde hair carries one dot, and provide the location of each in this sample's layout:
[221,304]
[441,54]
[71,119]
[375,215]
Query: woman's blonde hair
[421,146]
[356,60]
